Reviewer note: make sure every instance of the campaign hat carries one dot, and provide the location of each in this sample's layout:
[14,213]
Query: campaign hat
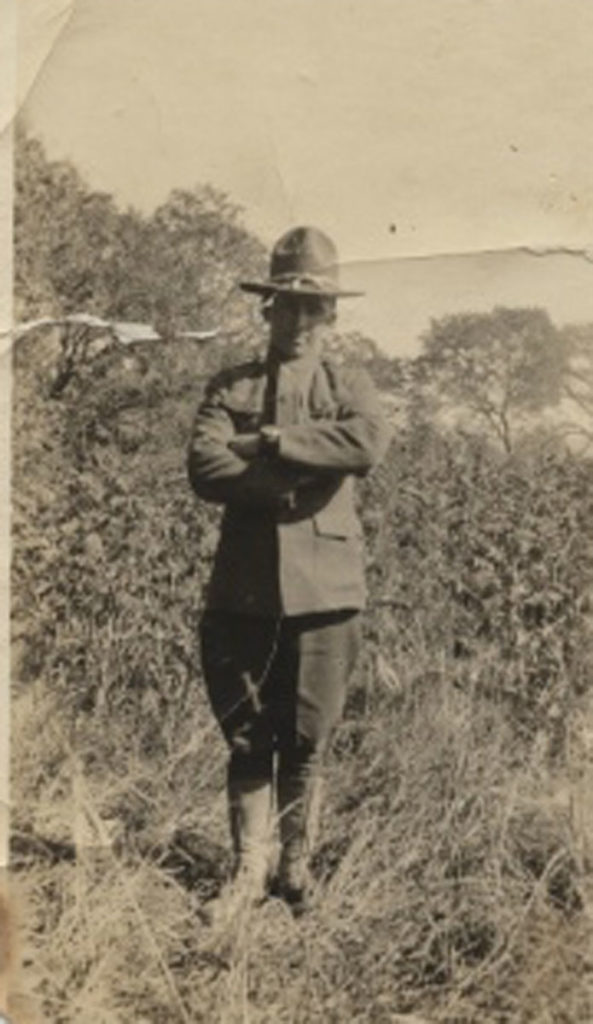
[304,261]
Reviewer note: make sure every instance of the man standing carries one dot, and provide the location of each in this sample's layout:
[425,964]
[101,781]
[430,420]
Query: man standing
[278,441]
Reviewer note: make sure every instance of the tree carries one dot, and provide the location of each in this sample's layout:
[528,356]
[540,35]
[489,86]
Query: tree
[65,237]
[498,367]
[577,382]
[76,252]
[197,253]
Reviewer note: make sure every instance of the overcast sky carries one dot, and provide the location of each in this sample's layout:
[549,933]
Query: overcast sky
[402,127]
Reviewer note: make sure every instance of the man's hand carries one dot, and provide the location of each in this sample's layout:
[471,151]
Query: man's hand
[246,446]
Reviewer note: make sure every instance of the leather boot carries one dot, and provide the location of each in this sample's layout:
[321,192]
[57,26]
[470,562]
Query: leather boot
[249,804]
[299,792]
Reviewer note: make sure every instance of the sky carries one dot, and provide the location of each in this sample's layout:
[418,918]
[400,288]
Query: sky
[404,128]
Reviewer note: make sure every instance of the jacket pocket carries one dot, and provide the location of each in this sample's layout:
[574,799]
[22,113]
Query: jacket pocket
[336,523]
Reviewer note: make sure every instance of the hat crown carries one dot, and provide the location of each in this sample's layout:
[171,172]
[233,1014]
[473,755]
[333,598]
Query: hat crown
[304,262]
[304,252]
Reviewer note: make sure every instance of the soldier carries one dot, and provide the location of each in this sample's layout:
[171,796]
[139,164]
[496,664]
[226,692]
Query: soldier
[278,442]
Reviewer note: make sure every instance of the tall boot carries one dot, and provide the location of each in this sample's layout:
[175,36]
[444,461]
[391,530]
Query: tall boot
[249,807]
[299,795]
[250,803]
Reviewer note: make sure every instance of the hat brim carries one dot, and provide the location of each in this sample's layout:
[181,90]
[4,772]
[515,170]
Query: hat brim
[266,289]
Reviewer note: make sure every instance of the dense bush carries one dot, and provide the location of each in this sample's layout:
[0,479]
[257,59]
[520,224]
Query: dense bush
[487,559]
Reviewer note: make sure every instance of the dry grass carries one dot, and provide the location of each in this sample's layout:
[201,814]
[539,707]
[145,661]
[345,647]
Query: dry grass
[450,880]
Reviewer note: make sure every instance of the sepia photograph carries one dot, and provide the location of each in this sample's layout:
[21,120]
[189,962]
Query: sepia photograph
[300,538]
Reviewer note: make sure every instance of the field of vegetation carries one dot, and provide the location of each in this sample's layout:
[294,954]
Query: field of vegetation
[453,865]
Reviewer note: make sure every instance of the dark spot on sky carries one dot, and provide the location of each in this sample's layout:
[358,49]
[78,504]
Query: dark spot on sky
[393,228]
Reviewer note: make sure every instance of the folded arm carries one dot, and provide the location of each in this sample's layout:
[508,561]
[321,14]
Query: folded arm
[218,474]
[352,443]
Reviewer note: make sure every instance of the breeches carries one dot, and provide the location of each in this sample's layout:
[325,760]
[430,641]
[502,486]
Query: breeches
[277,684]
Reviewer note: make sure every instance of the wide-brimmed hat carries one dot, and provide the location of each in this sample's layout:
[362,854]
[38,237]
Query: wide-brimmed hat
[304,262]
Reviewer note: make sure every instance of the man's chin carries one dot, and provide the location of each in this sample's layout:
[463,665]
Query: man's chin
[295,349]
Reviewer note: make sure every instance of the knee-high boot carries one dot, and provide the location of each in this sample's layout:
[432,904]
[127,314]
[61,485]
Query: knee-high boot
[249,798]
[250,803]
[298,796]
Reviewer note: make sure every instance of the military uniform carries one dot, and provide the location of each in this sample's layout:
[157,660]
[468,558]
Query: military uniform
[281,629]
[290,539]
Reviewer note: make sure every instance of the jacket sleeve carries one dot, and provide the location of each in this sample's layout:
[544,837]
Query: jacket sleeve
[352,443]
[218,475]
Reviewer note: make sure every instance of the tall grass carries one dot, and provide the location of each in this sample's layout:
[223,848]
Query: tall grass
[449,879]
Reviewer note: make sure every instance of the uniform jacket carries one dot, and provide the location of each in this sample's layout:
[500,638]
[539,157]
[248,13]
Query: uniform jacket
[290,540]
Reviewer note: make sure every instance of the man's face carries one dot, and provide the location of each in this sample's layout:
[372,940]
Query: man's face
[298,323]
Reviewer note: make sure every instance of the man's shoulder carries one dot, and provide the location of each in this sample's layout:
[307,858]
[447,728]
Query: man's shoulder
[343,376]
[239,376]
